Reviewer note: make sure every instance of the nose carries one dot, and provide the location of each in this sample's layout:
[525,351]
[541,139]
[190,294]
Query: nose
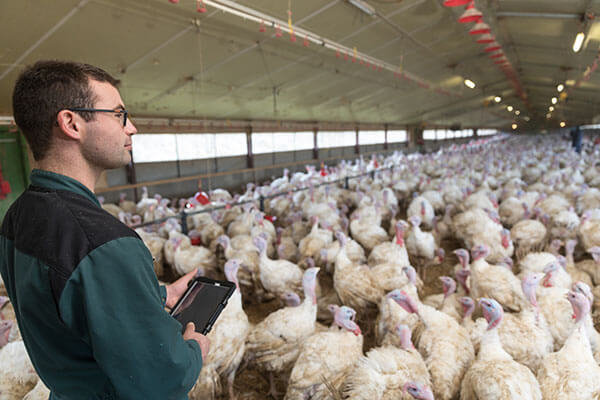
[130,128]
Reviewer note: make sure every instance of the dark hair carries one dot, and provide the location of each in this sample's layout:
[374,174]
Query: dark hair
[47,87]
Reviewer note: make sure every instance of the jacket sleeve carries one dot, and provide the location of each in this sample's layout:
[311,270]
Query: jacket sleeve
[117,307]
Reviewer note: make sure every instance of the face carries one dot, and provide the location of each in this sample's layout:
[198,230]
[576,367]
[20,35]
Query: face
[107,143]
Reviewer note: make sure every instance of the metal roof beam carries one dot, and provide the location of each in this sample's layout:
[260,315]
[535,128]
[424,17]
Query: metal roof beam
[517,14]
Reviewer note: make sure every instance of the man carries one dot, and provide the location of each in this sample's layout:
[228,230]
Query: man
[88,304]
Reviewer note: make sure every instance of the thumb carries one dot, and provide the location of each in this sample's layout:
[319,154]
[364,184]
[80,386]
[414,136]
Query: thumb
[190,328]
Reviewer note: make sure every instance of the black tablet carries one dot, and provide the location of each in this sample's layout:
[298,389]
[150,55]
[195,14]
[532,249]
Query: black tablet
[202,303]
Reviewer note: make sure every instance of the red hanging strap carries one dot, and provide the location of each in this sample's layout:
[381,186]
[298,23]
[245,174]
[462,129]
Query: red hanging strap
[4,186]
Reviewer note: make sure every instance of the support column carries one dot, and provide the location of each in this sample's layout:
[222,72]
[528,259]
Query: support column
[249,155]
[475,134]
[356,145]
[131,178]
[385,140]
[315,146]
[415,137]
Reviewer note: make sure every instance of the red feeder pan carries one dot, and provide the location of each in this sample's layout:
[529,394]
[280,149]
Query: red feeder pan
[471,14]
[492,47]
[487,38]
[497,55]
[455,3]
[480,28]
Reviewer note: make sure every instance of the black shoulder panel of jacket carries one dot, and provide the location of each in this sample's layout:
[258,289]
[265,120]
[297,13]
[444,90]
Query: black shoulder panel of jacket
[59,228]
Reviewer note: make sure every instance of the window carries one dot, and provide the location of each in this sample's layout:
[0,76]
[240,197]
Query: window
[397,136]
[449,134]
[154,148]
[336,139]
[284,141]
[467,132]
[440,134]
[195,146]
[262,143]
[371,137]
[281,141]
[429,134]
[230,144]
[486,132]
[304,141]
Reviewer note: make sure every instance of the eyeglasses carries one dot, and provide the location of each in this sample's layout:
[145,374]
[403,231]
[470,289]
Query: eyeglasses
[124,113]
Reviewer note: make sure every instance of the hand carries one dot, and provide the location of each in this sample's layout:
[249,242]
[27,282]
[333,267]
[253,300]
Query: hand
[176,289]
[203,341]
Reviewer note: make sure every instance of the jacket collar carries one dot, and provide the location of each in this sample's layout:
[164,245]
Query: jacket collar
[52,180]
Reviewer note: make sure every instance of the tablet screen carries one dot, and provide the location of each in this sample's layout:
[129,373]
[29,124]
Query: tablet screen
[199,304]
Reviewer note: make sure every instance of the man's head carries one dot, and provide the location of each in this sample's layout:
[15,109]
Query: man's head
[43,95]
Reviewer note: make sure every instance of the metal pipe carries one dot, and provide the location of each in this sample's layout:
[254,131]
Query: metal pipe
[502,14]
[44,37]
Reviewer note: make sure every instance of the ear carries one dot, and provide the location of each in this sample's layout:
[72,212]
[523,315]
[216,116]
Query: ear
[70,124]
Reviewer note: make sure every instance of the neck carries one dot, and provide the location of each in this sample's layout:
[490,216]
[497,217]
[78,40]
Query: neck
[399,237]
[73,167]
[491,347]
[263,252]
[309,295]
[480,262]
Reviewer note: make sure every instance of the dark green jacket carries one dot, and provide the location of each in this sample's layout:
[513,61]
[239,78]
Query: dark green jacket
[88,304]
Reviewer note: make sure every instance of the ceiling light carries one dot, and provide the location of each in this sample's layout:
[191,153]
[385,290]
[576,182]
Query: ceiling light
[551,108]
[480,28]
[563,124]
[517,112]
[509,108]
[548,115]
[470,84]
[526,119]
[578,41]
[497,99]
[471,14]
[514,126]
[364,7]
[560,87]
[570,82]
[554,100]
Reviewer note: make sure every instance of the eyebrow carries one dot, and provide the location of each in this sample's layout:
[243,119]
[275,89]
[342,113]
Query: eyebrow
[120,106]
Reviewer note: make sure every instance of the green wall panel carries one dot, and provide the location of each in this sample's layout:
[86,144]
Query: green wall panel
[15,168]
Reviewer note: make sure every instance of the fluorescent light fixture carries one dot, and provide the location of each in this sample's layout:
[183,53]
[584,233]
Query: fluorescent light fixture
[514,126]
[509,108]
[362,6]
[570,82]
[517,112]
[560,87]
[554,100]
[562,124]
[470,84]
[497,99]
[527,119]
[578,42]
[551,108]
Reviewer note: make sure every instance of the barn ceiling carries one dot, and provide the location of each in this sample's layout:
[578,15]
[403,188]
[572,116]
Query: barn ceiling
[178,63]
